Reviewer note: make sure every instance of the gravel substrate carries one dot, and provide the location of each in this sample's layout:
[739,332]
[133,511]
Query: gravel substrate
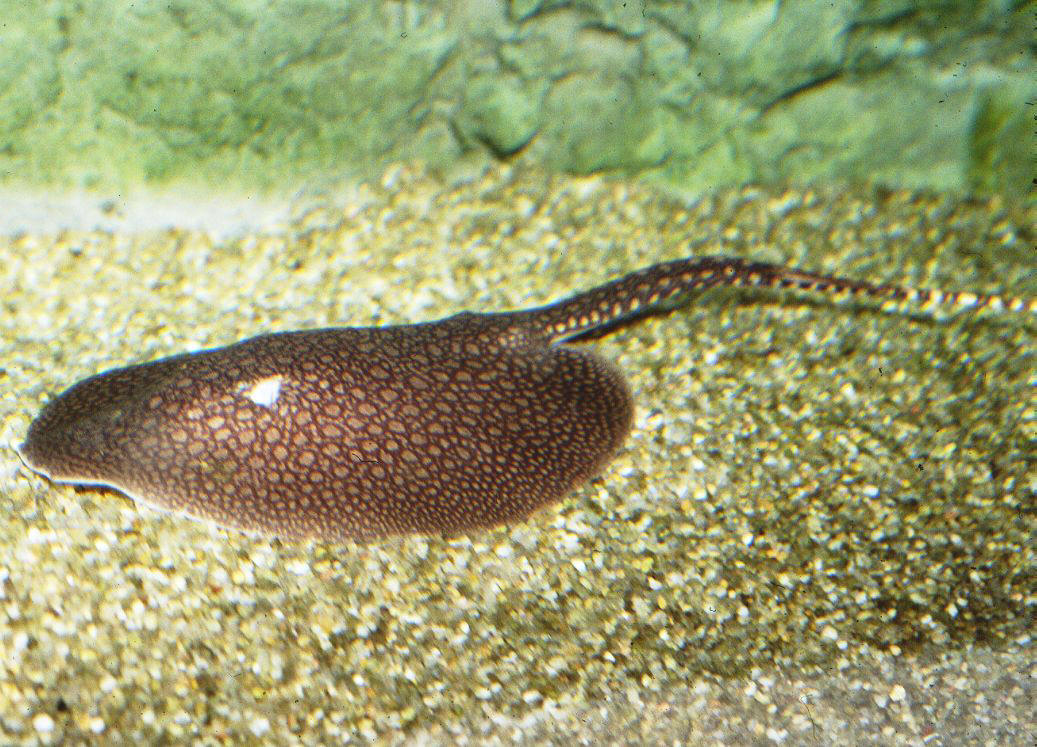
[820,531]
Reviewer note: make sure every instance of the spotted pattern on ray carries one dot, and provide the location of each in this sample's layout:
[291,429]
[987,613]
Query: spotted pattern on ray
[357,433]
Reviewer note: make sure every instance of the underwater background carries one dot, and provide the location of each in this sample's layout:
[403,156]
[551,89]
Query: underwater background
[821,528]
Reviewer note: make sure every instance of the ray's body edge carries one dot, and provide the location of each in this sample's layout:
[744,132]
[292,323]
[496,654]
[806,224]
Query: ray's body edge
[138,498]
[442,427]
[226,379]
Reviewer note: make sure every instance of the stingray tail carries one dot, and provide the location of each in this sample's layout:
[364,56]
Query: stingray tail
[664,285]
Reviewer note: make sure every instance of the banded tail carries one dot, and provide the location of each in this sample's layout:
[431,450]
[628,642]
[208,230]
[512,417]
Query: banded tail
[640,292]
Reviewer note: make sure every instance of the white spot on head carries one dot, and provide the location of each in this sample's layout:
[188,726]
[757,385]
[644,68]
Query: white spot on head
[263,392]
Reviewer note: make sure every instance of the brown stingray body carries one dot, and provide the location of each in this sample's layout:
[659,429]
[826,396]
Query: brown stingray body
[345,432]
[356,433]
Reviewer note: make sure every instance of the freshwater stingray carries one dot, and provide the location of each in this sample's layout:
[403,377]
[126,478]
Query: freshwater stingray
[357,433]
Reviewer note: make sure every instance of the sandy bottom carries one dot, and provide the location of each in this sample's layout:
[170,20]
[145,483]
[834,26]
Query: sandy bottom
[820,530]
[219,215]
